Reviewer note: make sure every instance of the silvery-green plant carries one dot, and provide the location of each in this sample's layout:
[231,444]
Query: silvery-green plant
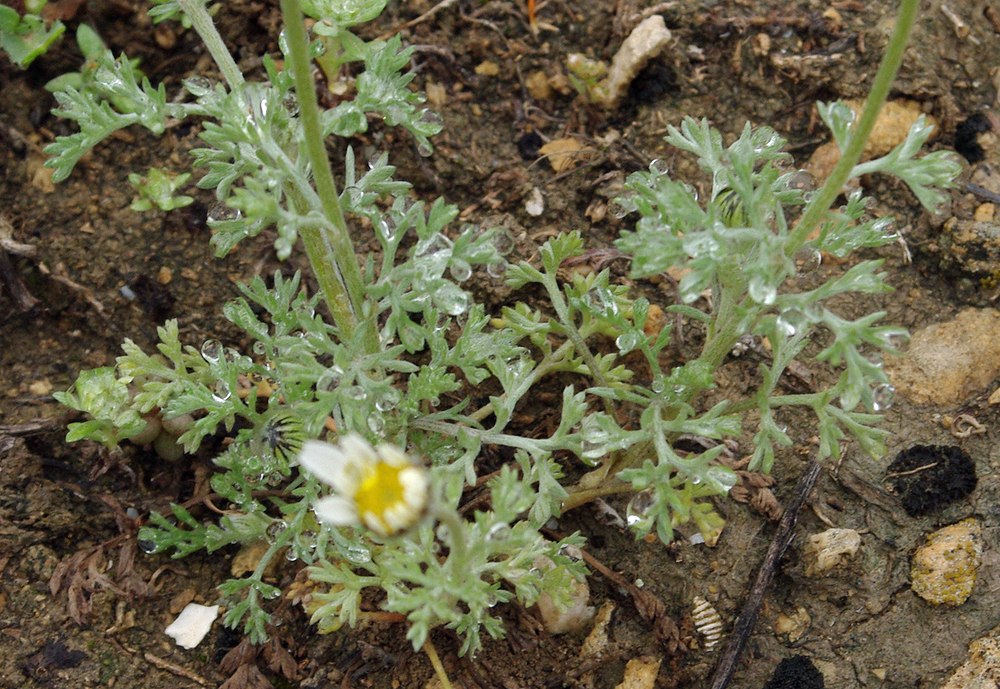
[26,37]
[386,352]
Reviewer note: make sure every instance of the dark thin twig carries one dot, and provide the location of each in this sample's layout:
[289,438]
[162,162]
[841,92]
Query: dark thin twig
[748,616]
[22,298]
[982,192]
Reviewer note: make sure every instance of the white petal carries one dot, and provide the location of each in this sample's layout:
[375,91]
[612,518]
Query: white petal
[374,523]
[336,511]
[393,456]
[358,450]
[192,624]
[400,516]
[414,482]
[325,461]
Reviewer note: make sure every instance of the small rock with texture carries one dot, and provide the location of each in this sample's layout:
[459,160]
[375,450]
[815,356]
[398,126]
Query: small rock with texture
[944,569]
[947,362]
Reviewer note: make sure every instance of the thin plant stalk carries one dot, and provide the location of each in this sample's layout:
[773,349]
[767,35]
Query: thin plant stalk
[886,74]
[202,22]
[346,304]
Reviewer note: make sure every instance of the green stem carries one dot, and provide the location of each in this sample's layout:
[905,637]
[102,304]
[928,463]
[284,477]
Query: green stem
[456,537]
[202,22]
[612,486]
[579,342]
[831,189]
[344,292]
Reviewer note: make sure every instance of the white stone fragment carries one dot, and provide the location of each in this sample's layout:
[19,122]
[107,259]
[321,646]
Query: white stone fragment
[535,205]
[192,624]
[826,550]
[573,619]
[646,41]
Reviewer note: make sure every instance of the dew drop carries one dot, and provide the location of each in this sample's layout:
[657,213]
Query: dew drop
[638,508]
[291,104]
[355,195]
[792,321]
[275,529]
[570,551]
[434,246]
[617,210]
[761,292]
[221,392]
[148,547]
[388,400]
[424,149]
[211,351]
[431,118]
[358,554]
[291,555]
[658,386]
[356,392]
[386,228]
[659,166]
[454,302]
[198,86]
[808,259]
[272,593]
[329,379]
[498,532]
[376,424]
[627,341]
[802,180]
[220,212]
[259,348]
[503,241]
[460,270]
[603,300]
[883,396]
[497,269]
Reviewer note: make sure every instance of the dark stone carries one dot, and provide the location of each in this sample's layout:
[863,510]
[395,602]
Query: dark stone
[967,137]
[528,145]
[797,672]
[652,83]
[949,476]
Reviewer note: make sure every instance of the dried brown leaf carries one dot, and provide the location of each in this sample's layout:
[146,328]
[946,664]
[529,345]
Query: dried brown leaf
[279,660]
[247,677]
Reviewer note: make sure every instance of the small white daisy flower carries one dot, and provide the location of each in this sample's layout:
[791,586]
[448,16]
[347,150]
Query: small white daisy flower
[379,487]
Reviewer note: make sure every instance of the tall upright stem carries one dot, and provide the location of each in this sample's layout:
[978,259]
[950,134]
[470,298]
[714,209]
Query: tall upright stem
[886,74]
[347,307]
[202,22]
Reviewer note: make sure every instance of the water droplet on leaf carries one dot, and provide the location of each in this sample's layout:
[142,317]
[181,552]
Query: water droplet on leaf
[211,351]
[358,554]
[497,269]
[883,396]
[460,270]
[221,392]
[503,242]
[638,508]
[498,532]
[329,379]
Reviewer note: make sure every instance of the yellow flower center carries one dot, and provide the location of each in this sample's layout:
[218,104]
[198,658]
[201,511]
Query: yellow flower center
[379,490]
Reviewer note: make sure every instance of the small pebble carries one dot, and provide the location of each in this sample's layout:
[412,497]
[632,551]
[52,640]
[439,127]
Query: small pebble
[944,569]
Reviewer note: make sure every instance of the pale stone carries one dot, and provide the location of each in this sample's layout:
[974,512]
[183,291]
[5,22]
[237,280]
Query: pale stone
[944,569]
[646,41]
[950,361]
[640,673]
[192,624]
[828,549]
[981,670]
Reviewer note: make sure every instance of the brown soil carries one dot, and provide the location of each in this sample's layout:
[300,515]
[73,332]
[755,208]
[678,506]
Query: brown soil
[63,507]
